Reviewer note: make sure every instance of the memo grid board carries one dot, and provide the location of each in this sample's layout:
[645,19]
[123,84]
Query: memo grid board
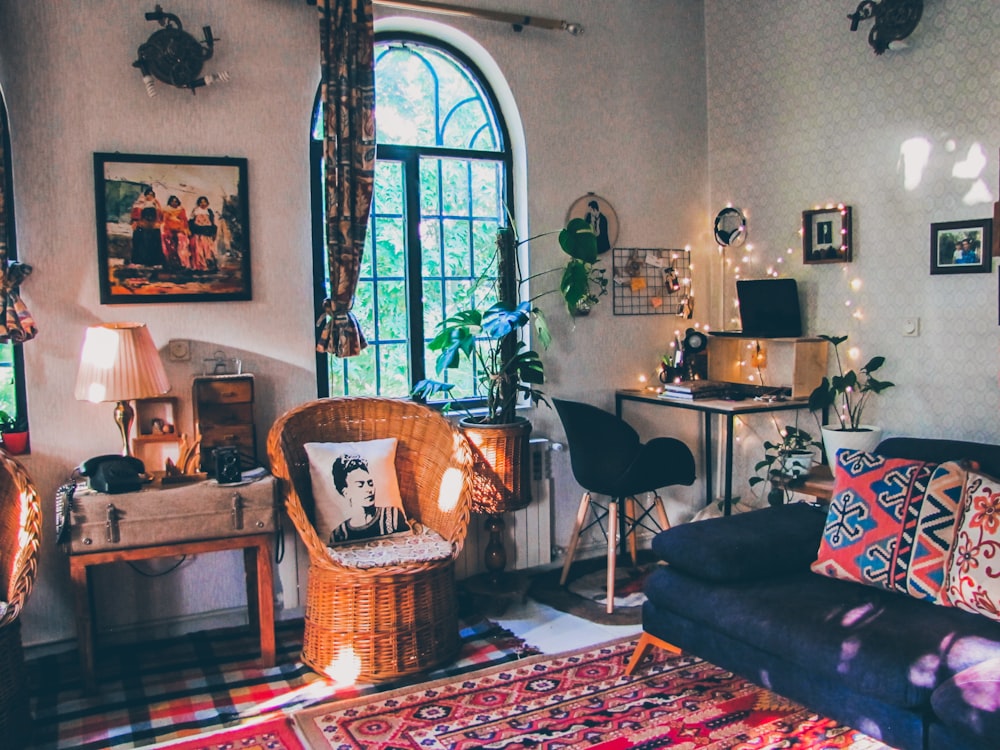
[638,281]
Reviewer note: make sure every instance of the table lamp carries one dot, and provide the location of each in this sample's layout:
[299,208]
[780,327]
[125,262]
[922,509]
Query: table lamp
[119,362]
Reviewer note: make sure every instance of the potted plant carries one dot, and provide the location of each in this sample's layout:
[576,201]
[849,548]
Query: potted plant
[789,459]
[506,369]
[14,434]
[848,393]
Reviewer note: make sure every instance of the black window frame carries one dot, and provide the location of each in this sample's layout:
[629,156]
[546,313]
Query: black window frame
[17,351]
[410,157]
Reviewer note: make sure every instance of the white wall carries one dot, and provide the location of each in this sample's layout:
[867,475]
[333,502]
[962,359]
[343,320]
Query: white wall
[619,111]
[802,113]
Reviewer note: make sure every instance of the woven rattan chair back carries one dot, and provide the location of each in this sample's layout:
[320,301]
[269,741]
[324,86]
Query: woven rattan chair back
[393,620]
[20,537]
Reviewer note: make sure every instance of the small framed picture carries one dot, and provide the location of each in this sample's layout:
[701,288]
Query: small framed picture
[826,235]
[962,246]
[172,228]
[600,215]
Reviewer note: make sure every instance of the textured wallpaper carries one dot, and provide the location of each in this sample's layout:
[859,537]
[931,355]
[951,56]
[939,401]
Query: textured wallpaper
[803,113]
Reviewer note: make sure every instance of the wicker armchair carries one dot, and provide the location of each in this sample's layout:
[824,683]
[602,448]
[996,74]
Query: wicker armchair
[20,536]
[394,620]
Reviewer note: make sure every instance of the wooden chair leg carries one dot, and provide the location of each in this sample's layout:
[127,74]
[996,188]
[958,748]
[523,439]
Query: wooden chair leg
[646,644]
[574,540]
[661,512]
[612,553]
[629,528]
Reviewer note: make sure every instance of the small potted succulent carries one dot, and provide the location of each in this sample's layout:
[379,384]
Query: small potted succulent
[789,459]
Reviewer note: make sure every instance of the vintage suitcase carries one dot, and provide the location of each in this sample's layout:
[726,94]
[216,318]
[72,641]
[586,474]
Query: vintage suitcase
[168,514]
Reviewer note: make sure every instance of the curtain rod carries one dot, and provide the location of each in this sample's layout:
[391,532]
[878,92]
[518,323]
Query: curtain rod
[517,21]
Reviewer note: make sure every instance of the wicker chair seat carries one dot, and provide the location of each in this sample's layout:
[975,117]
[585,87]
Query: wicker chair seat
[400,617]
[396,550]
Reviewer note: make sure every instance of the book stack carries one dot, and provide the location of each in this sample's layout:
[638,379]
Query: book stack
[695,389]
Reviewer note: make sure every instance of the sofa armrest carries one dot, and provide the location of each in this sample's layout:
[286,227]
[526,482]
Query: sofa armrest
[745,547]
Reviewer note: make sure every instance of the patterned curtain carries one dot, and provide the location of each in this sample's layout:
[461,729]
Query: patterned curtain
[16,323]
[348,95]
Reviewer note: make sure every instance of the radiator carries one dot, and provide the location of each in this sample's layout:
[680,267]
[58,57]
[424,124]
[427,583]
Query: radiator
[527,532]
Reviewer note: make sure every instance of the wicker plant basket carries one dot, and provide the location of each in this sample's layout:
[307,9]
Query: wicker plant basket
[395,620]
[501,465]
[20,537]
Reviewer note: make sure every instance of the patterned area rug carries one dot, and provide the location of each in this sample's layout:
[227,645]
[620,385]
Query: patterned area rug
[154,692]
[579,699]
[276,734]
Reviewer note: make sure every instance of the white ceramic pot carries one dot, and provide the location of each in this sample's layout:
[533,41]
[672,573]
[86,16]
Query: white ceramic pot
[865,438]
[796,464]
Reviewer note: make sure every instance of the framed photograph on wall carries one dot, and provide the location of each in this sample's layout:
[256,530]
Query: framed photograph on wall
[600,215]
[962,246]
[172,228]
[827,235]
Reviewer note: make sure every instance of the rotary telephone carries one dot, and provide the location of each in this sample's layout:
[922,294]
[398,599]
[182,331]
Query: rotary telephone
[114,473]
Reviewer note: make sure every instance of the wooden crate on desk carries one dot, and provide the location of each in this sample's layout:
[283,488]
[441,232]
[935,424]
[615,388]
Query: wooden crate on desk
[796,363]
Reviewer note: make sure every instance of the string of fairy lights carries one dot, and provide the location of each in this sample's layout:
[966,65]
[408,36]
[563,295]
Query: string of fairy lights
[752,361]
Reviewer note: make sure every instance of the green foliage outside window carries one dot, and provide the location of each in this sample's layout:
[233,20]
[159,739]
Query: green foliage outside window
[440,197]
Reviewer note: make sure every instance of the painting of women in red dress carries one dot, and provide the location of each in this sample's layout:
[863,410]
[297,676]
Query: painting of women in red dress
[175,234]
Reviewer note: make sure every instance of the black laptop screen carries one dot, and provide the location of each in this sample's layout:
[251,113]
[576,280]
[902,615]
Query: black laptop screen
[769,307]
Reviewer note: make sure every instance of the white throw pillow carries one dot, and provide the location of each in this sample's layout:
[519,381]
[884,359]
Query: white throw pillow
[356,490]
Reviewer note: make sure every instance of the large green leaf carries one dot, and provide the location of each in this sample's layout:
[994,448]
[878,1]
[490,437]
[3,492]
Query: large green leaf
[579,241]
[505,317]
[575,283]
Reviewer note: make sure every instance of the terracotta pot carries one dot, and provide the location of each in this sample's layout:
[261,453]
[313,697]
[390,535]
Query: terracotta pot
[502,459]
[865,438]
[15,443]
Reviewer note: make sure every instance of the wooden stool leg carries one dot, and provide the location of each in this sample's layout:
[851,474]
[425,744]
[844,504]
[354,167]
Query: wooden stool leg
[647,643]
[574,540]
[612,553]
[661,512]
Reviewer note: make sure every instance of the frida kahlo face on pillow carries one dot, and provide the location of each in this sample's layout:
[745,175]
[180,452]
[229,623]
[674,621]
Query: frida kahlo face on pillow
[365,520]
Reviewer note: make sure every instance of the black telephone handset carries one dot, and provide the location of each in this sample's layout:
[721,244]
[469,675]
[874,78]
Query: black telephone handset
[114,473]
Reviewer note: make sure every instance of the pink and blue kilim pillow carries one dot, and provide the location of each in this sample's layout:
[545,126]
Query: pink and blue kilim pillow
[872,522]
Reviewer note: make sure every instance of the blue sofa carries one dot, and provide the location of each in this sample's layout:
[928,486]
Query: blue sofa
[738,592]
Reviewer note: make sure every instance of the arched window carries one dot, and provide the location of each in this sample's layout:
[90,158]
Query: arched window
[13,400]
[442,190]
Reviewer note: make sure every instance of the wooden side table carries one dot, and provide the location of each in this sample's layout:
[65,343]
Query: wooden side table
[259,581]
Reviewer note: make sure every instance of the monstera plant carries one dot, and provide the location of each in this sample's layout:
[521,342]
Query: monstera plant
[507,371]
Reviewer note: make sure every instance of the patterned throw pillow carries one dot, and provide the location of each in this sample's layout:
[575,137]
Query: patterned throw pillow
[356,490]
[936,522]
[872,518]
[974,571]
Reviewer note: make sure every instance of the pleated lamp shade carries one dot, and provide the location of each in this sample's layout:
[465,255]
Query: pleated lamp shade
[119,362]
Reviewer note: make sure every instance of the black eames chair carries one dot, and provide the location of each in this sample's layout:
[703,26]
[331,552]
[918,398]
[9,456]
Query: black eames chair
[609,459]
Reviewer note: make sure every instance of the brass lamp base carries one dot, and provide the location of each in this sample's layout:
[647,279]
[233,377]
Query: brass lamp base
[124,416]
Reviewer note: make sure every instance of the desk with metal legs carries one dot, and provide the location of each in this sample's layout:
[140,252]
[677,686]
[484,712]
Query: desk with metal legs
[712,407]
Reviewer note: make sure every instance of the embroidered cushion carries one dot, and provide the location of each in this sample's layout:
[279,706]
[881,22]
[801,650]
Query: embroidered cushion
[356,490]
[974,569]
[870,525]
[401,549]
[936,521]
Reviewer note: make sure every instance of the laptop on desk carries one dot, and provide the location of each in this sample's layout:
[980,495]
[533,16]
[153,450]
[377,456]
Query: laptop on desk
[769,308]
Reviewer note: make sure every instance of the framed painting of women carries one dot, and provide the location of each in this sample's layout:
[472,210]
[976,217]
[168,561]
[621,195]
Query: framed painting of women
[172,228]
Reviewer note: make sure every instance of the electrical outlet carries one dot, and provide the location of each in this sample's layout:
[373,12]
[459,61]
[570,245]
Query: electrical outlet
[911,326]
[179,350]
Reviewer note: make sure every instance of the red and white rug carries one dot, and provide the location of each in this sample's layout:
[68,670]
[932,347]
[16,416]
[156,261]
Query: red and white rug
[578,699]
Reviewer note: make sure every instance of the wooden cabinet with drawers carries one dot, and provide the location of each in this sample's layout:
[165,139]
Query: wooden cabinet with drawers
[223,416]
